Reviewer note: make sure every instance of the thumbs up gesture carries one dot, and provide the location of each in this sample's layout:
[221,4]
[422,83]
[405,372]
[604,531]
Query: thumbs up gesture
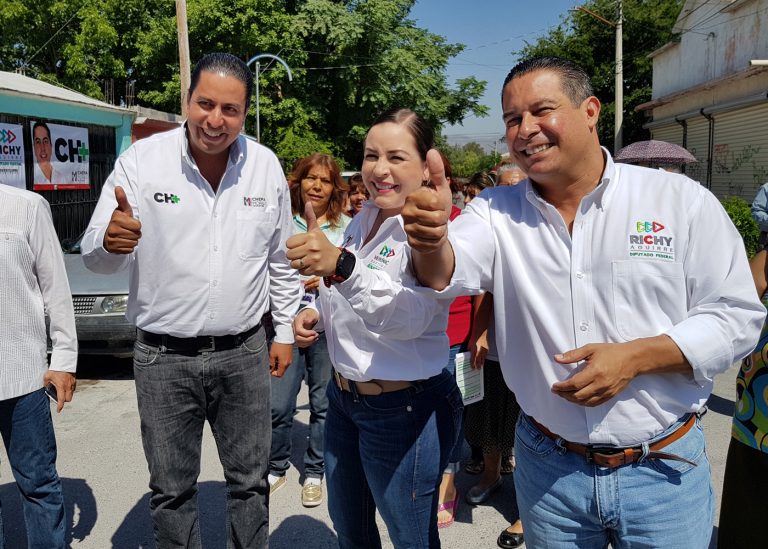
[124,231]
[311,253]
[426,210]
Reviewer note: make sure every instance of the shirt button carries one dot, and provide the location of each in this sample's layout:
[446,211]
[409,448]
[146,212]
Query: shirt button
[596,427]
[584,326]
[215,283]
[215,248]
[579,275]
[211,315]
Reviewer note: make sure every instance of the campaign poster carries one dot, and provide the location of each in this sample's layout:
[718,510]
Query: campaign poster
[12,156]
[61,157]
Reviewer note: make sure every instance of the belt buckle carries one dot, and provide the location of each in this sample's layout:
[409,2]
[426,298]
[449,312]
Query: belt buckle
[591,449]
[209,346]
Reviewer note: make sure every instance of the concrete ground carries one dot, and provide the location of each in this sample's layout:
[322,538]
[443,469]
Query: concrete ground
[104,475]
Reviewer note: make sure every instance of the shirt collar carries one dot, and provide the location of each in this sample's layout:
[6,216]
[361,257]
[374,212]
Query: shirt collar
[236,149]
[303,224]
[600,195]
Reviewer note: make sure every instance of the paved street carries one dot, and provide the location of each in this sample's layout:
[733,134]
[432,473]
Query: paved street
[105,477]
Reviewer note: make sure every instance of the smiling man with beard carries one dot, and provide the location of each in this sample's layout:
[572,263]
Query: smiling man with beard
[199,215]
[622,291]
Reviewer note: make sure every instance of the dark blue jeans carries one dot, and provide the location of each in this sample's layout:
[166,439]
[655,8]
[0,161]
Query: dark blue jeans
[27,431]
[388,452]
[176,394]
[313,365]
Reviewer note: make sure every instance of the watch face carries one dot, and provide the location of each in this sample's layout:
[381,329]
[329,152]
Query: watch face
[345,265]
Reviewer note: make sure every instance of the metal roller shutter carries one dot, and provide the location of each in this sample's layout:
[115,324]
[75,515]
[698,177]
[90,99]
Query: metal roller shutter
[670,134]
[698,144]
[740,156]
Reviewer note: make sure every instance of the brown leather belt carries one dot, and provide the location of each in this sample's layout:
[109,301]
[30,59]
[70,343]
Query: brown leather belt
[614,456]
[369,388]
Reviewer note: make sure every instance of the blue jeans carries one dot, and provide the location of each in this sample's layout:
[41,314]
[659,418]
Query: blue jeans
[388,452]
[314,365]
[27,431]
[176,394]
[566,502]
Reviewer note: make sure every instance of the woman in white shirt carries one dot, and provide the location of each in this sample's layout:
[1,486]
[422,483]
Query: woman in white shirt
[315,180]
[394,412]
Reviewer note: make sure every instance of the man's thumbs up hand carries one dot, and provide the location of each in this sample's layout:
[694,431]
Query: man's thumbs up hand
[124,231]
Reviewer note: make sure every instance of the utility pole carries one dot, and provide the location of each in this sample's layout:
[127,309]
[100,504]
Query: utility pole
[618,118]
[618,103]
[183,37]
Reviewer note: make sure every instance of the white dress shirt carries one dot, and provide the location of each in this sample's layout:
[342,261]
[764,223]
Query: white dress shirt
[207,263]
[651,253]
[381,325]
[34,281]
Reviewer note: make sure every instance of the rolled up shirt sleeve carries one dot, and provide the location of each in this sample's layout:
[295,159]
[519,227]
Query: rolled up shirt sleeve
[760,208]
[725,315]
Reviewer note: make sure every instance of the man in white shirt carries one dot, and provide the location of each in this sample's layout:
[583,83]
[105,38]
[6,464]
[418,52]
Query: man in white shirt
[622,291]
[200,216]
[34,283]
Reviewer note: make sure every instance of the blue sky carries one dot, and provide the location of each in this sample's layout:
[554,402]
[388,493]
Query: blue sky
[492,31]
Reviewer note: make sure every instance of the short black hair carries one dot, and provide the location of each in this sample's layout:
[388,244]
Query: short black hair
[419,128]
[227,64]
[41,125]
[575,81]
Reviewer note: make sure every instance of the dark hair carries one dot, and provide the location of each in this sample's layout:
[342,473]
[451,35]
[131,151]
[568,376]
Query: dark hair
[575,81]
[41,125]
[356,178]
[227,64]
[418,127]
[301,169]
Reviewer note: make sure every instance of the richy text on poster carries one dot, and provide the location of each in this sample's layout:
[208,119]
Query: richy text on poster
[12,156]
[61,157]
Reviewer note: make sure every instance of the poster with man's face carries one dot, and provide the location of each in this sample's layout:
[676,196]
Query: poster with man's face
[61,157]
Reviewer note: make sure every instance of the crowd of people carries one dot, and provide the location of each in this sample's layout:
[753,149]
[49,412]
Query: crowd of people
[598,299]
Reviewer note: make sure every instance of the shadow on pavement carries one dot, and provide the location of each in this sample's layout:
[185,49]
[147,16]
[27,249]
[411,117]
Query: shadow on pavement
[135,532]
[79,506]
[302,531]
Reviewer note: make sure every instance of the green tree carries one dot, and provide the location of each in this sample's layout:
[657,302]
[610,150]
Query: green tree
[469,158]
[590,42]
[351,59]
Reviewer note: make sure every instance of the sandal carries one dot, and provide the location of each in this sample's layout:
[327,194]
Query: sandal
[451,507]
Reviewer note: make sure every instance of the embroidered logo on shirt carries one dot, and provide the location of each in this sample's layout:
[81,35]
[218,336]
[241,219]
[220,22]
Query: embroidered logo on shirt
[254,201]
[165,198]
[648,243]
[386,251]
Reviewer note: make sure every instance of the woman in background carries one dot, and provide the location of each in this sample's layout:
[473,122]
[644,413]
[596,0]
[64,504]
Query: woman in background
[314,180]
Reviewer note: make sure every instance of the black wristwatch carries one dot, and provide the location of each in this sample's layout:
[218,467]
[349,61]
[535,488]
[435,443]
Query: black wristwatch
[345,264]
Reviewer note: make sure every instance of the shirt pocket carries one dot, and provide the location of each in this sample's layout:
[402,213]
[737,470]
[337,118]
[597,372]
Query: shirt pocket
[649,297]
[254,233]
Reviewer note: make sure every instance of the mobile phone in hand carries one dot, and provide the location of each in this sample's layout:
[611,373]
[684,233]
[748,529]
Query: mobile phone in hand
[50,390]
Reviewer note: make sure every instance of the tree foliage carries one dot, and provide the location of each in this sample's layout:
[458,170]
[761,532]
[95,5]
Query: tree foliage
[470,158]
[350,59]
[590,42]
